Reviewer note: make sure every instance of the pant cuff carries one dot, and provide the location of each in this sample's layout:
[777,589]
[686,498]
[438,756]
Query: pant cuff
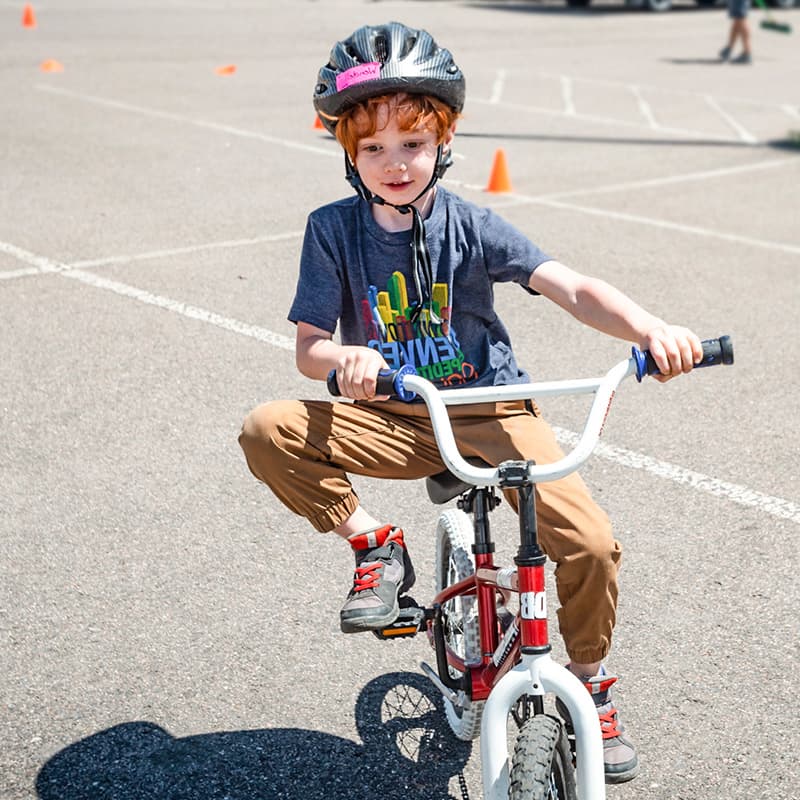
[334,515]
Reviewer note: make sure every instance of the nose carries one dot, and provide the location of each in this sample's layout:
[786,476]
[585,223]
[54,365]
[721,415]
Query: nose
[395,164]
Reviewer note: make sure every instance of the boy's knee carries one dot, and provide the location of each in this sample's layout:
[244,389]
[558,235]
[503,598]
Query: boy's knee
[261,427]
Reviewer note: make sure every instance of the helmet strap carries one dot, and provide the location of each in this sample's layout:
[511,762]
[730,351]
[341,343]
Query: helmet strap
[420,255]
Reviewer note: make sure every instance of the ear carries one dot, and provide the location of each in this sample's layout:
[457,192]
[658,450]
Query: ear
[448,137]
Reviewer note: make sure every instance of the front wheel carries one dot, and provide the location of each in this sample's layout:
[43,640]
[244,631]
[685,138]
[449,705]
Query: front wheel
[541,767]
[454,562]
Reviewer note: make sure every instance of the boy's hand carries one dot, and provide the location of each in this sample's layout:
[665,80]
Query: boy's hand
[357,373]
[674,349]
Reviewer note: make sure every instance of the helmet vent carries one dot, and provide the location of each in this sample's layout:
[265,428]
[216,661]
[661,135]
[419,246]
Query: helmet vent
[381,48]
[408,46]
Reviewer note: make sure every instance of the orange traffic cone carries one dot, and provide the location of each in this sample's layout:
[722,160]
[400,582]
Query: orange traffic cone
[499,180]
[226,69]
[51,65]
[318,126]
[28,17]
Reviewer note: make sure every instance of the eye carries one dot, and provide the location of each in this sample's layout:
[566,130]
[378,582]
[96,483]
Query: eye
[370,148]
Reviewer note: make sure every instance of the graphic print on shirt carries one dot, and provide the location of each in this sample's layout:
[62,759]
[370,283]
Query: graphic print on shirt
[430,347]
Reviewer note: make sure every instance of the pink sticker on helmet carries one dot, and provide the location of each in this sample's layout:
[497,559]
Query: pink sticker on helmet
[359,74]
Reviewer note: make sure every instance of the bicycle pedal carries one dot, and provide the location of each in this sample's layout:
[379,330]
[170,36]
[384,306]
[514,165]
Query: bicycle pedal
[409,622]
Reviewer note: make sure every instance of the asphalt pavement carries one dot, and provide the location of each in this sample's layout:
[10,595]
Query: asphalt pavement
[167,629]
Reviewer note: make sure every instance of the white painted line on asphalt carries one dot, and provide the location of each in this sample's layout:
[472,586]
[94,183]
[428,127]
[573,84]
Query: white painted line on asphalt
[42,265]
[514,200]
[184,309]
[610,121]
[179,251]
[721,172]
[774,506]
[792,111]
[644,107]
[200,123]
[741,131]
[39,264]
[567,96]
[45,265]
[727,98]
[498,86]
[672,226]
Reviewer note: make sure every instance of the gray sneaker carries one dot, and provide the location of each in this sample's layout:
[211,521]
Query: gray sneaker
[725,53]
[619,754]
[743,58]
[383,572]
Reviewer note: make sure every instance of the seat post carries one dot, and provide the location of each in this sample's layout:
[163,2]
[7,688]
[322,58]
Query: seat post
[483,503]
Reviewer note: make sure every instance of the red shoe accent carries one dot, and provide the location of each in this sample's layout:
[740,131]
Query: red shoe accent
[376,538]
[599,687]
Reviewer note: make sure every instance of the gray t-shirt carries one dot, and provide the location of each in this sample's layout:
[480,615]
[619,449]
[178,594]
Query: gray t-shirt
[359,276]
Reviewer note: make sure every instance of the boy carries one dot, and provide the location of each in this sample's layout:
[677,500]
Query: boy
[391,96]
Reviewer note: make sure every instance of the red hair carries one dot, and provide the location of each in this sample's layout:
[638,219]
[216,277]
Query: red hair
[412,111]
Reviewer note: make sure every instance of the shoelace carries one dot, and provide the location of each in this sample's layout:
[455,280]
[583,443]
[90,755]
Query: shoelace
[367,577]
[609,725]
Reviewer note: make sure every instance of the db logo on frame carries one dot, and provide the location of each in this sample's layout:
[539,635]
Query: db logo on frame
[533,605]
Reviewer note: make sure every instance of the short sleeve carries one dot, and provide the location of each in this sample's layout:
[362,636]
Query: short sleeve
[509,254]
[318,296]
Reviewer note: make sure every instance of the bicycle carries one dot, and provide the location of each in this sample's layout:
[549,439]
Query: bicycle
[492,663]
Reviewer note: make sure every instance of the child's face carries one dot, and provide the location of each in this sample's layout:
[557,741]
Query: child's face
[397,164]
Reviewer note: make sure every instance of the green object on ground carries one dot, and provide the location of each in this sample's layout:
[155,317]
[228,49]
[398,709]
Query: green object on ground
[771,24]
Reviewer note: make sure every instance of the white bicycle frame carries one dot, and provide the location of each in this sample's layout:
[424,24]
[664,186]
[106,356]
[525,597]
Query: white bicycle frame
[535,674]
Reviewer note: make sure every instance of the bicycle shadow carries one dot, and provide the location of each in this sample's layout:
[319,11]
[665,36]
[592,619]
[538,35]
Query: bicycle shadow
[408,752]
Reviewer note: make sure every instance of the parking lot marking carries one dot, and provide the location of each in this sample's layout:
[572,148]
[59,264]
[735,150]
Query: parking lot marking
[200,123]
[774,506]
[178,251]
[567,95]
[644,107]
[724,98]
[38,264]
[721,172]
[609,121]
[694,230]
[741,132]
[497,86]
[515,199]
[42,265]
[184,309]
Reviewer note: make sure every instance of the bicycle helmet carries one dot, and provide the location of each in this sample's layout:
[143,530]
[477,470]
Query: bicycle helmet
[382,59]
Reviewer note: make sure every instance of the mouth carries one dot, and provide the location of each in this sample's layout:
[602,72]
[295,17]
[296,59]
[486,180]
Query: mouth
[397,186]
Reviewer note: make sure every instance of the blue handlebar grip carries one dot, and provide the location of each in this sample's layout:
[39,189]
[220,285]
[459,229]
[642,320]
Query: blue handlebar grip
[715,352]
[390,382]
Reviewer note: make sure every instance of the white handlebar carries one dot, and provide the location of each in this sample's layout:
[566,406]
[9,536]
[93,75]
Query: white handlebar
[437,402]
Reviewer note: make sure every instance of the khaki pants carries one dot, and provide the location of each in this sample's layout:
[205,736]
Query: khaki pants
[303,450]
